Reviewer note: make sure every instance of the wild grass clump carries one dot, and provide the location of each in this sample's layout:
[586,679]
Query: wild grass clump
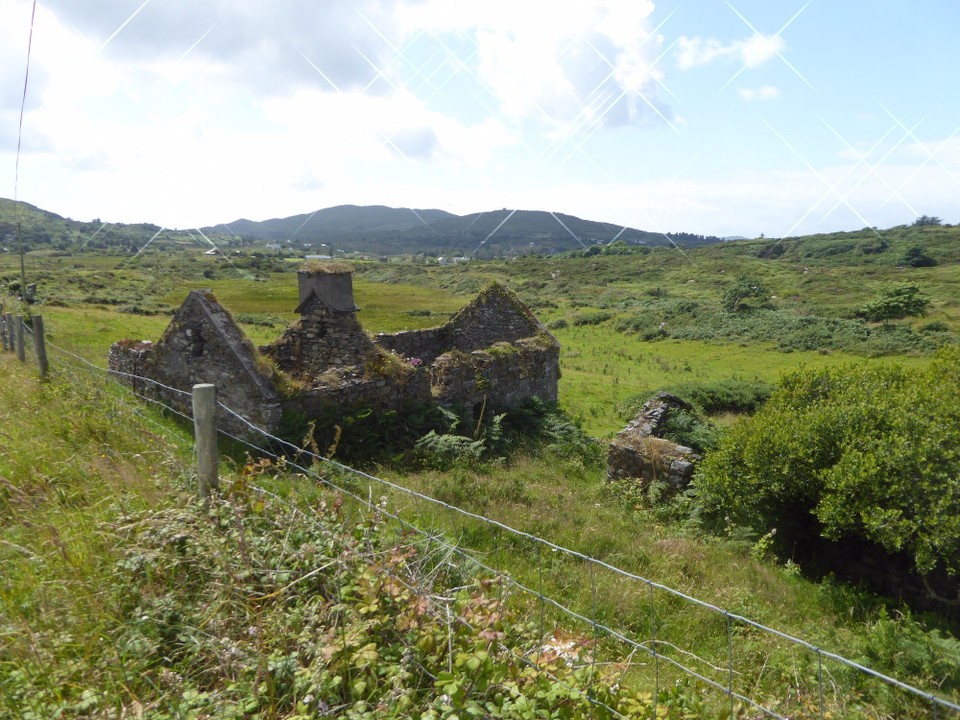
[594,318]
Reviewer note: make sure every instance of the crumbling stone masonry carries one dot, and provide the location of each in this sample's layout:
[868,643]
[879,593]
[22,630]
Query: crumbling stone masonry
[638,452]
[202,344]
[492,355]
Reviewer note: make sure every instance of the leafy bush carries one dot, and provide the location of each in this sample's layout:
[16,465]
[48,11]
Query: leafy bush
[686,428]
[728,395]
[557,324]
[916,257]
[863,451]
[894,302]
[735,297]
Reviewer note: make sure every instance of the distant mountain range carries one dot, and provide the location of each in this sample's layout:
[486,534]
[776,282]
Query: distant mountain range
[376,230]
[386,230]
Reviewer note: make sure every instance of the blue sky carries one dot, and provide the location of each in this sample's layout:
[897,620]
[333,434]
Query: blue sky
[715,117]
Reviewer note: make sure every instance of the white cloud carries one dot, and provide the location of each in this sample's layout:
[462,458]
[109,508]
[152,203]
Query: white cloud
[764,92]
[589,63]
[752,52]
[258,44]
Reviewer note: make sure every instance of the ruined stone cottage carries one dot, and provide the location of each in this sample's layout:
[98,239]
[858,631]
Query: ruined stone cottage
[491,355]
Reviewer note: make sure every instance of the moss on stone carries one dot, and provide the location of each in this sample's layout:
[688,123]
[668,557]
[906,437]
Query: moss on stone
[320,267]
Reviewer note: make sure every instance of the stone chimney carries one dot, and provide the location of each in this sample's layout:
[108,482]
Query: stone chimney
[332,283]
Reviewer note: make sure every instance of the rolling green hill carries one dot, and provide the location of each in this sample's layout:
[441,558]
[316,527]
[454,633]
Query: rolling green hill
[382,230]
[374,230]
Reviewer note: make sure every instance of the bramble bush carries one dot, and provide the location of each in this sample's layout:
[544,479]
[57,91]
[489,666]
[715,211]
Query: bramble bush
[862,451]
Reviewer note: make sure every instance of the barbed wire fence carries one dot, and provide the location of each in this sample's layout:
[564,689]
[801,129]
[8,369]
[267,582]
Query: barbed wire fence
[574,618]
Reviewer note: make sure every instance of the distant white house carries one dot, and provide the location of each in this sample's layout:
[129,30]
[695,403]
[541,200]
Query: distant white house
[317,257]
[212,251]
[273,246]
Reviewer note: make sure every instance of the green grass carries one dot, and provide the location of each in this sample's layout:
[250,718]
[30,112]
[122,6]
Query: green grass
[121,594]
[73,471]
[601,369]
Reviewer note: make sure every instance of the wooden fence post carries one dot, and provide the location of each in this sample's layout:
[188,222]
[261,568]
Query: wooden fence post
[40,345]
[205,436]
[11,332]
[21,351]
[3,329]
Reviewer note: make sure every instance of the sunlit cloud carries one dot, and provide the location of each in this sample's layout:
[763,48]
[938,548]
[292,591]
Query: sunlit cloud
[764,92]
[752,52]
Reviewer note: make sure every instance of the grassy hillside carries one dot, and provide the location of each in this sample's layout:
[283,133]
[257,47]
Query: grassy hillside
[629,324]
[123,596]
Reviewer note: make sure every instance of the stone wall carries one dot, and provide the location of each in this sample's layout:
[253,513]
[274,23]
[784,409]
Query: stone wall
[377,393]
[499,378]
[638,452]
[127,360]
[857,560]
[427,345]
[496,315]
[651,459]
[493,354]
[321,340]
[203,345]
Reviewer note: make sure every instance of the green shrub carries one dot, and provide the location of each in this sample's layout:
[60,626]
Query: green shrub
[686,428]
[894,302]
[729,395]
[743,289]
[916,257]
[862,451]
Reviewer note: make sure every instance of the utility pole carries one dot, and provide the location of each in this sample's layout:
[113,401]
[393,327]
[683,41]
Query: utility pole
[23,273]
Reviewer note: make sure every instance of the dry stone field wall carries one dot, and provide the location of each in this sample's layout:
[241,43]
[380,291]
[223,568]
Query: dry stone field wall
[638,452]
